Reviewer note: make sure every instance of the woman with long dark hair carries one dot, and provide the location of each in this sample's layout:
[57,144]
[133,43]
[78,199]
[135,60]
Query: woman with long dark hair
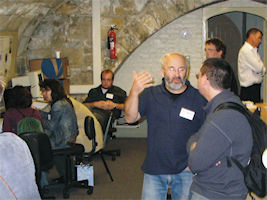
[61,121]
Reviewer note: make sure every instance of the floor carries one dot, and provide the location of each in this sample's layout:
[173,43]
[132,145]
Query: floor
[126,172]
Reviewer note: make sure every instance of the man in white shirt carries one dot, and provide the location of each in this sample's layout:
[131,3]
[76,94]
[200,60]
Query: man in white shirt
[251,69]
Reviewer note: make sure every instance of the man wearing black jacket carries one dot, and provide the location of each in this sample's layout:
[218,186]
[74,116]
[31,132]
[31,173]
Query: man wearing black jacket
[106,98]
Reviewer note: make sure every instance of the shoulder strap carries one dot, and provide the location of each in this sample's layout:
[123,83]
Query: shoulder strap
[241,109]
[234,106]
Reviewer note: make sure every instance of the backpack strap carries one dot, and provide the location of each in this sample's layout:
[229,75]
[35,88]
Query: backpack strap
[234,106]
[244,111]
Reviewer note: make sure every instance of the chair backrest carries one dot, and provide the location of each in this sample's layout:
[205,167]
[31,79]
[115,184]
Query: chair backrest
[89,129]
[43,155]
[82,111]
[33,145]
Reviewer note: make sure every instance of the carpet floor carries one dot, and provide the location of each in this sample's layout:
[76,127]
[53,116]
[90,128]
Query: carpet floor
[126,172]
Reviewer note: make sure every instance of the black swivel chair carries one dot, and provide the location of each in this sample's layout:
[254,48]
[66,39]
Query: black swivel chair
[89,129]
[43,155]
[73,151]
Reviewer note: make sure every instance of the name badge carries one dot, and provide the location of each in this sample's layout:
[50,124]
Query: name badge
[187,114]
[109,96]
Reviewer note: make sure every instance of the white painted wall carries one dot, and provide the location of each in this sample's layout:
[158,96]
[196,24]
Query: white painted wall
[167,39]
[147,55]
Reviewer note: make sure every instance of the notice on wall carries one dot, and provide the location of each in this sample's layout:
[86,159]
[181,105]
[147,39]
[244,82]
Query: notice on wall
[5,54]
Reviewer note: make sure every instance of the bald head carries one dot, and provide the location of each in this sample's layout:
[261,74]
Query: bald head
[169,56]
[174,71]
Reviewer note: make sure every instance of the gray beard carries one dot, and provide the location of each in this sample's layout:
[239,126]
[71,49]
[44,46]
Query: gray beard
[174,87]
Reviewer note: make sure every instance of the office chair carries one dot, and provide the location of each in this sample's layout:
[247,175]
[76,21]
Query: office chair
[73,151]
[42,154]
[109,133]
[89,129]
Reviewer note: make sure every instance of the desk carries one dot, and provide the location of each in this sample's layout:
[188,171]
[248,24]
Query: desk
[263,107]
[40,105]
[136,131]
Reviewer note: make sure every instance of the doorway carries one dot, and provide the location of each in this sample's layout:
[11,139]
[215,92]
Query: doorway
[231,28]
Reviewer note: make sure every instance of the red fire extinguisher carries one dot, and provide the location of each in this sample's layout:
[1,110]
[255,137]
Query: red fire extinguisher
[112,42]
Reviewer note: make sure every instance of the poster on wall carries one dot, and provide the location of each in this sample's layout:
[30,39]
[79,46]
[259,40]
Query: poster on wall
[8,45]
[5,54]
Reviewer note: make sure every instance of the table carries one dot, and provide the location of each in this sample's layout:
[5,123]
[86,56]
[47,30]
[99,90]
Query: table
[263,108]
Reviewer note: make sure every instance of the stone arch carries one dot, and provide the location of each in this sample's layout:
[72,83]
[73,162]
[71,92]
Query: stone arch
[28,31]
[260,11]
[149,18]
[124,75]
[25,36]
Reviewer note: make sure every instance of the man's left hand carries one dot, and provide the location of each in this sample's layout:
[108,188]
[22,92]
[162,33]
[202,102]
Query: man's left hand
[109,105]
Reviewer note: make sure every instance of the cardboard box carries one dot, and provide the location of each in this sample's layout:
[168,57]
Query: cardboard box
[66,85]
[51,67]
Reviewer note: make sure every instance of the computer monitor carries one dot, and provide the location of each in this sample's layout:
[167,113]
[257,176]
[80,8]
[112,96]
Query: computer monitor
[31,80]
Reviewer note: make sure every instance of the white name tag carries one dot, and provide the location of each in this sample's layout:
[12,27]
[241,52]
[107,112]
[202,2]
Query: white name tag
[109,96]
[187,114]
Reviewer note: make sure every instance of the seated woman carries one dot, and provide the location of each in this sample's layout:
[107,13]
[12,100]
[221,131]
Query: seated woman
[18,102]
[61,121]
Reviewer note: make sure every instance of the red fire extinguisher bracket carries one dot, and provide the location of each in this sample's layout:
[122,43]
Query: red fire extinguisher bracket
[112,42]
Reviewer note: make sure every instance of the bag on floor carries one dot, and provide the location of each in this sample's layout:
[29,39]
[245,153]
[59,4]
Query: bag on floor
[255,174]
[85,172]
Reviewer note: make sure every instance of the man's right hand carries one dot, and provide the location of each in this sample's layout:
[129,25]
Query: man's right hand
[141,81]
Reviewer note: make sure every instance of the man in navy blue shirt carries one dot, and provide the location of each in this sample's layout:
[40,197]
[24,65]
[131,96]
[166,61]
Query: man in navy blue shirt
[174,112]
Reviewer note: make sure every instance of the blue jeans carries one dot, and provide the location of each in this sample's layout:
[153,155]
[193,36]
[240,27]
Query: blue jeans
[196,196]
[156,186]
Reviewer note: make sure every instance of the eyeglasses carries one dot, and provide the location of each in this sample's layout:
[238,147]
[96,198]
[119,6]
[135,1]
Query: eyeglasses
[209,50]
[106,79]
[180,69]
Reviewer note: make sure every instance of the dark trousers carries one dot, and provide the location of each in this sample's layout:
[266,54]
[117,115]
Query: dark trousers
[251,93]
[102,117]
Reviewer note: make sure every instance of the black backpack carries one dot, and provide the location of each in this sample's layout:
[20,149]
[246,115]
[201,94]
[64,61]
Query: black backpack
[255,174]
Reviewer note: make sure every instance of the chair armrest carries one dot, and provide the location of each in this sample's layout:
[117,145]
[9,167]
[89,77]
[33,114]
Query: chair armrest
[74,149]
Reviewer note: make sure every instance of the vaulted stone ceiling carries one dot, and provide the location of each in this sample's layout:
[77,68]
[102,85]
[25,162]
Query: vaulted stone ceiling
[34,20]
[23,16]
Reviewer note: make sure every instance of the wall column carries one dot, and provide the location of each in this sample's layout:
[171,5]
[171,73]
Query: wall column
[96,51]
